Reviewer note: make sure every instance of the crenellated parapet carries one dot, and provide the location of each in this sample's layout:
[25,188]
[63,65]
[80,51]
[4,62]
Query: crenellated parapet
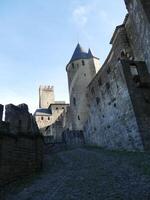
[18,120]
[46,87]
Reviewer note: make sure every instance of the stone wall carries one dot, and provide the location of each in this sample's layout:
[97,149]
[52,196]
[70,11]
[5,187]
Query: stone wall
[138,29]
[53,133]
[138,83]
[73,138]
[19,119]
[116,105]
[20,157]
[119,95]
[21,145]
[112,122]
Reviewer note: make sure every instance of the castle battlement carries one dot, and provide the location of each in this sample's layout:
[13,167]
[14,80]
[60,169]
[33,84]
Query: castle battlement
[46,87]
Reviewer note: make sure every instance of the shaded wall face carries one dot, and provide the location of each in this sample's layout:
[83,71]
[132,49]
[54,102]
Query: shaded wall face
[21,146]
[20,157]
[111,123]
[79,76]
[138,29]
[138,82]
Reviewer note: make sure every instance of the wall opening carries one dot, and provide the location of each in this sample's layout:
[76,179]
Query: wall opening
[93,91]
[97,100]
[73,65]
[74,101]
[100,81]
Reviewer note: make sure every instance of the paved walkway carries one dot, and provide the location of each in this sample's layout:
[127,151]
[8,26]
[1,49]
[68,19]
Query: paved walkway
[90,174]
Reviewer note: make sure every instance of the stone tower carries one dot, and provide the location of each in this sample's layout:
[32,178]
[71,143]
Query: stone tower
[46,96]
[81,69]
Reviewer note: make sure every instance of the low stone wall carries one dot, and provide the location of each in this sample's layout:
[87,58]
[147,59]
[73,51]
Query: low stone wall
[73,137]
[21,145]
[20,156]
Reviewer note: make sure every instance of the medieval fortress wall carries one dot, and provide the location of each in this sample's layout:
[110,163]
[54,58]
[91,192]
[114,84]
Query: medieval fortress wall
[110,105]
[118,97]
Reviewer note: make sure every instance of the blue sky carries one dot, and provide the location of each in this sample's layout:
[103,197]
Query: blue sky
[38,37]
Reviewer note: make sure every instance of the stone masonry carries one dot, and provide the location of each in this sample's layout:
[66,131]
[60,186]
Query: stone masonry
[119,95]
[21,145]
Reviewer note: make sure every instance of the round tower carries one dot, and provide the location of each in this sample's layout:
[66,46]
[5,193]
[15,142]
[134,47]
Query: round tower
[81,69]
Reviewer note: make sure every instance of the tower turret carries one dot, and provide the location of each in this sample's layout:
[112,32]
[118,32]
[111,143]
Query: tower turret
[81,69]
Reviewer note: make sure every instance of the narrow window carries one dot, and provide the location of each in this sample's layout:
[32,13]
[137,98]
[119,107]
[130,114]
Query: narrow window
[108,70]
[48,118]
[99,81]
[41,118]
[74,101]
[93,91]
[97,100]
[84,74]
[56,108]
[73,65]
[107,86]
[63,108]
[83,63]
[78,117]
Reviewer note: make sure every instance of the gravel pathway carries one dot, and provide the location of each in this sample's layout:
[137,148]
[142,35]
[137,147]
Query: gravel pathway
[90,174]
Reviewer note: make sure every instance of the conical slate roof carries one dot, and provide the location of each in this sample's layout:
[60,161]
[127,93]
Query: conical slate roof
[90,54]
[79,53]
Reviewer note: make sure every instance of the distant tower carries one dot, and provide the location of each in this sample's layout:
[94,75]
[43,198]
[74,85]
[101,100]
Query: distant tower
[46,96]
[81,69]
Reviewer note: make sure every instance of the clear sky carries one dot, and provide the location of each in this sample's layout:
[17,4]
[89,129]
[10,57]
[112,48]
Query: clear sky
[38,37]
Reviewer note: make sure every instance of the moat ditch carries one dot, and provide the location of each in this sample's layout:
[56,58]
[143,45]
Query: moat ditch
[87,173]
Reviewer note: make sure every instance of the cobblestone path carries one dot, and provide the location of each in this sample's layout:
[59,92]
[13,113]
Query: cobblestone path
[90,174]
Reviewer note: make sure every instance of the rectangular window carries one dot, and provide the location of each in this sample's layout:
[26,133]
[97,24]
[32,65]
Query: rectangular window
[74,101]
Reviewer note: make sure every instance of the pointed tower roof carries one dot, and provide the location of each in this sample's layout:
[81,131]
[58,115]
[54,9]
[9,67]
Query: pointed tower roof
[80,53]
[90,54]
